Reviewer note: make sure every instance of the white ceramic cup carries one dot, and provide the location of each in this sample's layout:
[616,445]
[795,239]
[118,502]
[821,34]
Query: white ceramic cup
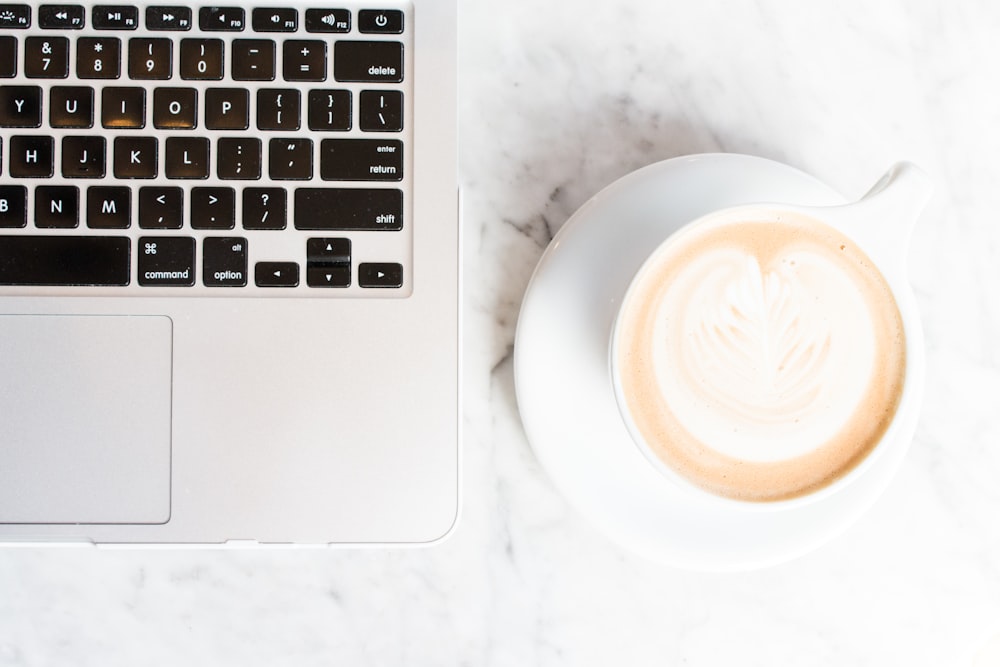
[880,223]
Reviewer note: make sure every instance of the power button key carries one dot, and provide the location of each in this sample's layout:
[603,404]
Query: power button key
[380,21]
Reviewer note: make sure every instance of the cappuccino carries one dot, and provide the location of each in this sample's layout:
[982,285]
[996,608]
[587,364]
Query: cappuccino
[760,358]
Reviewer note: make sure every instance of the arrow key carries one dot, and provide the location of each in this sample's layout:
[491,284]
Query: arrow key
[328,262]
[276,274]
[380,275]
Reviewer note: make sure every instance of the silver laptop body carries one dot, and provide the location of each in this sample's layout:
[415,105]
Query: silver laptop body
[250,405]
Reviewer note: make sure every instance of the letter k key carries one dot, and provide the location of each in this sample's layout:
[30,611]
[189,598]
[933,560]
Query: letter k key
[135,157]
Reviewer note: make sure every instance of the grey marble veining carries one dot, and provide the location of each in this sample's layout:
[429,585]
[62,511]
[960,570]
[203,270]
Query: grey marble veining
[559,99]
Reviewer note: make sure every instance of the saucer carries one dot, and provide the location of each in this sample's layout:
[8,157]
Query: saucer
[564,388]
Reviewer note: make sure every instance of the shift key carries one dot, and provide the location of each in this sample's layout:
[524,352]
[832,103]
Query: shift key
[369,62]
[349,209]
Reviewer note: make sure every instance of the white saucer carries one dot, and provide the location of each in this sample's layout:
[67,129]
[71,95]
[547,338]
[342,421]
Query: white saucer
[564,389]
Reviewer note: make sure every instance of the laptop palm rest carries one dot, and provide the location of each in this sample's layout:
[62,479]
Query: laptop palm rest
[86,405]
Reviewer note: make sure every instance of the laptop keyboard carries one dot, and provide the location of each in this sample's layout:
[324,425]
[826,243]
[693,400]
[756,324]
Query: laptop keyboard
[154,149]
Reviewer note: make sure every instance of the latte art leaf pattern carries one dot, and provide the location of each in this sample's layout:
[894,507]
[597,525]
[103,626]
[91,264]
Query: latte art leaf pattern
[760,358]
[757,351]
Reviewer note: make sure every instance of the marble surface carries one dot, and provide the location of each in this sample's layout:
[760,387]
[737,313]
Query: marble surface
[558,99]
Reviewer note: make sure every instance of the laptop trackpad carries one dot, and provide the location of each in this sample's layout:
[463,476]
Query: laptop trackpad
[85,434]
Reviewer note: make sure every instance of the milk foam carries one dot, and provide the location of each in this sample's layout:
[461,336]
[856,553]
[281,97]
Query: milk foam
[764,362]
[763,358]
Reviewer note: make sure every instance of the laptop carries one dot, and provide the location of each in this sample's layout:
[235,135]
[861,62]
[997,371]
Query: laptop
[229,273]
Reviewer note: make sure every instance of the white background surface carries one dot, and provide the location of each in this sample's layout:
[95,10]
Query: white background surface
[558,99]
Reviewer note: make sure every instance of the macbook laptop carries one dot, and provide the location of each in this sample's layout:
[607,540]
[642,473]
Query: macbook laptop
[229,273]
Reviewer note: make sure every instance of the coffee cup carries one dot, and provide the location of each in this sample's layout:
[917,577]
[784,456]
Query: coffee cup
[763,356]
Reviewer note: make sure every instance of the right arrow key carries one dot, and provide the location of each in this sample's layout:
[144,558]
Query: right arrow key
[371,274]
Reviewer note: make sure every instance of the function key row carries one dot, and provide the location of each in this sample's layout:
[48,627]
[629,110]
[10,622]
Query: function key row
[210,19]
[152,58]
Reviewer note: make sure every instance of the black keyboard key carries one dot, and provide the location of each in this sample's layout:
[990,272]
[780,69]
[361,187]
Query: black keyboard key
[31,157]
[265,208]
[13,206]
[46,57]
[213,208]
[20,106]
[187,157]
[381,111]
[278,109]
[238,158]
[253,60]
[328,20]
[290,159]
[380,21]
[201,59]
[71,106]
[64,260]
[15,16]
[57,206]
[166,261]
[374,62]
[304,60]
[276,274]
[123,108]
[175,108]
[224,261]
[168,18]
[150,58]
[61,17]
[227,108]
[380,275]
[328,262]
[98,57]
[161,207]
[83,157]
[275,19]
[109,207]
[349,209]
[328,252]
[135,157]
[226,19]
[8,56]
[361,160]
[329,110]
[115,17]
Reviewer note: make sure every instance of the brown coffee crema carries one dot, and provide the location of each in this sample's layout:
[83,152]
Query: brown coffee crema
[761,359]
